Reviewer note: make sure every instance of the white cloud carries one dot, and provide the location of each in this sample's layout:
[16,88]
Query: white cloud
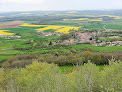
[25,1]
[23,5]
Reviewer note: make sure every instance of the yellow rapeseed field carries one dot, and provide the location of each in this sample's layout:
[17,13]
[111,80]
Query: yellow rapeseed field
[75,19]
[98,19]
[72,12]
[115,17]
[29,25]
[66,29]
[5,33]
[50,27]
[86,19]
[60,29]
[81,19]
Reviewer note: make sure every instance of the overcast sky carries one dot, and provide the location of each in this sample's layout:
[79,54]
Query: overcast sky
[28,5]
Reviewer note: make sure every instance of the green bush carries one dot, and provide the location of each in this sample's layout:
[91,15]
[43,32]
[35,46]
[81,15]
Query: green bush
[44,77]
[63,59]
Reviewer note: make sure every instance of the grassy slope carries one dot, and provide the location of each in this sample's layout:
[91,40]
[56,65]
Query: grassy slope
[98,48]
[114,26]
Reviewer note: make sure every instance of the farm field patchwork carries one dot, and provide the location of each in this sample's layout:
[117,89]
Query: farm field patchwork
[13,24]
[72,12]
[59,29]
[93,18]
[28,30]
[5,32]
[85,19]
[115,17]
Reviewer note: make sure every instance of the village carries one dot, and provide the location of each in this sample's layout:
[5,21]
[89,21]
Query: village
[80,37]
[9,36]
[85,37]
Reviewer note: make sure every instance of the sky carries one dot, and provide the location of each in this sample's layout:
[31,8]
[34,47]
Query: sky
[31,5]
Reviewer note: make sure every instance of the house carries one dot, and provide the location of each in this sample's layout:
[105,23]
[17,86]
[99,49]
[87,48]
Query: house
[51,34]
[103,42]
[116,42]
[84,37]
[67,42]
[114,37]
[10,36]
[95,44]
[54,43]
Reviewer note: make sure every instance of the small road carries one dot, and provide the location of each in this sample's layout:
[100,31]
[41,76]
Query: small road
[7,49]
[104,27]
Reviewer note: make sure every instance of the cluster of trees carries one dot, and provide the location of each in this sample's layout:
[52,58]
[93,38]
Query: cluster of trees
[64,59]
[44,77]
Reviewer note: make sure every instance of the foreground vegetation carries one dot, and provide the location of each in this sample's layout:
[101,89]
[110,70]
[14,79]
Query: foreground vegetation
[43,77]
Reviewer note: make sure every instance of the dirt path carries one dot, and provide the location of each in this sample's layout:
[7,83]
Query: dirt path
[13,24]
[104,27]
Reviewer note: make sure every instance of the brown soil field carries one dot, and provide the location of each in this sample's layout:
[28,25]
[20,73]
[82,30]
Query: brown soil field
[13,24]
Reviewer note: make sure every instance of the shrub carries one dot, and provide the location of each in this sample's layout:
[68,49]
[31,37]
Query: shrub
[87,55]
[44,77]
[96,59]
[111,77]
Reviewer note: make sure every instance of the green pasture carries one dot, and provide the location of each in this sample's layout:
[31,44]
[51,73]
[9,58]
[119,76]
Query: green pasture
[114,26]
[94,26]
[98,48]
[70,68]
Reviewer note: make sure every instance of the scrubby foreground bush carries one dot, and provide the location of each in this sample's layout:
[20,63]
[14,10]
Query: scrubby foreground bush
[44,77]
[65,59]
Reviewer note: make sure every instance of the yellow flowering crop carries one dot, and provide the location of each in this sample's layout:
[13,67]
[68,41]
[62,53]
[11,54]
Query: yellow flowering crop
[66,29]
[115,17]
[60,29]
[29,25]
[5,33]
[98,19]
[81,19]
[72,12]
[87,19]
[50,27]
